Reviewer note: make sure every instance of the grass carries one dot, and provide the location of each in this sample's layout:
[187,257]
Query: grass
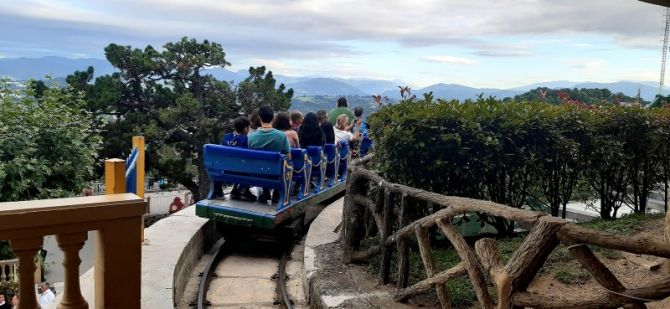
[626,225]
[572,275]
[560,262]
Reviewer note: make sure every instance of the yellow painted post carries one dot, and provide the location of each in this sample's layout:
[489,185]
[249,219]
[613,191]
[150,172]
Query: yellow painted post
[115,176]
[138,142]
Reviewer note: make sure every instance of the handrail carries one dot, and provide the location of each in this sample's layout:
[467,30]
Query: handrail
[117,220]
[389,218]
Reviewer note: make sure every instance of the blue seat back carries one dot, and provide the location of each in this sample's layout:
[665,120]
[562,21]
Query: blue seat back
[344,160]
[302,169]
[330,150]
[318,166]
[266,169]
[298,158]
[344,149]
[366,145]
[333,163]
[315,153]
[236,160]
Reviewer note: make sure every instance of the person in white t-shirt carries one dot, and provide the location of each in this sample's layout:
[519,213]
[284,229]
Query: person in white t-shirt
[46,296]
[341,132]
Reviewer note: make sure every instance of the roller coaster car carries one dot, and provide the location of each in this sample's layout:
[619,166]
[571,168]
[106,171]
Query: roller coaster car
[310,177]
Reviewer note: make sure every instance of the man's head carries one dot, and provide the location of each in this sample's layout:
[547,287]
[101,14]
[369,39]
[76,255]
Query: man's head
[15,300]
[358,112]
[44,286]
[322,115]
[266,113]
[241,125]
[296,118]
[2,298]
[342,102]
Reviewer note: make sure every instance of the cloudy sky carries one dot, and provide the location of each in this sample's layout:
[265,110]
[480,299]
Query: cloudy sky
[484,43]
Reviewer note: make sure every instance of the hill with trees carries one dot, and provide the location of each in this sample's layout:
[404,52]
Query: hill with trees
[589,96]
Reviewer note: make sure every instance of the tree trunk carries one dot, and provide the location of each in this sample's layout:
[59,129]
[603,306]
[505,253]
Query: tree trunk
[665,195]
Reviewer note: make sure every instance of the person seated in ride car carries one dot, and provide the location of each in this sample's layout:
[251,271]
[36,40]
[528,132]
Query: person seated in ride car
[239,139]
[268,138]
[282,122]
[296,120]
[326,126]
[341,109]
[311,133]
[341,131]
[360,127]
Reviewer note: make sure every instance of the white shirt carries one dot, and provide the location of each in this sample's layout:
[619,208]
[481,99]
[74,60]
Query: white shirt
[341,135]
[47,297]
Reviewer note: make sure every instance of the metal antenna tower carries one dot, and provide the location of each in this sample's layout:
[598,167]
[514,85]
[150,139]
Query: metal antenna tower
[664,52]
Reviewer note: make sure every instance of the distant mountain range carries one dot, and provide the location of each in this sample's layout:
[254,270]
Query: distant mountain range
[26,68]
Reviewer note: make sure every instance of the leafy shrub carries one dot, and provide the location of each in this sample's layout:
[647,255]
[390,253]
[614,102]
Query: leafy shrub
[508,151]
[47,148]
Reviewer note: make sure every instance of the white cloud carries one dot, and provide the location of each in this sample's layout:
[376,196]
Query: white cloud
[448,60]
[299,36]
[306,22]
[589,65]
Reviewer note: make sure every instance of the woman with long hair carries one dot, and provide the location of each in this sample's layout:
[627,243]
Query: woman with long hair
[282,122]
[255,120]
[310,131]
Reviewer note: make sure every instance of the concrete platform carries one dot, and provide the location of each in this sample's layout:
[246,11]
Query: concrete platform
[328,282]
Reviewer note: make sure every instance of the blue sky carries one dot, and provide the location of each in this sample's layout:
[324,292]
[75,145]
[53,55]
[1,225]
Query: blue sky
[492,43]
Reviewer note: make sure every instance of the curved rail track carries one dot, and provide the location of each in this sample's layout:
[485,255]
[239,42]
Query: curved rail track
[283,299]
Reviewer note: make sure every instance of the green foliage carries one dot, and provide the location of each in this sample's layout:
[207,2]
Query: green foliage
[47,146]
[507,152]
[260,88]
[168,97]
[590,96]
[626,225]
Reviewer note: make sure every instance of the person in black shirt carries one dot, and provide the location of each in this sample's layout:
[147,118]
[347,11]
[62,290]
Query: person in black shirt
[310,133]
[326,127]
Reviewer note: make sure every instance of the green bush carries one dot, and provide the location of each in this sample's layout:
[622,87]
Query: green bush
[47,147]
[508,151]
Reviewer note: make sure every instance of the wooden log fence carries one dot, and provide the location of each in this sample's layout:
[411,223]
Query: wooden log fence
[395,227]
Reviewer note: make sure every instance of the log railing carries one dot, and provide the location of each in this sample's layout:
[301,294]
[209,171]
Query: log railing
[391,224]
[117,219]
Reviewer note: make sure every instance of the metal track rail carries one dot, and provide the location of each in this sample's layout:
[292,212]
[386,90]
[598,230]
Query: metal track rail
[207,277]
[281,281]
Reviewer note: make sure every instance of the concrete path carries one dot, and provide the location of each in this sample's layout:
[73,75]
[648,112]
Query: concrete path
[331,284]
[53,263]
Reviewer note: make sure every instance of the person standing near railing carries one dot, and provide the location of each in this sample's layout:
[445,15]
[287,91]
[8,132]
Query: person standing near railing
[46,296]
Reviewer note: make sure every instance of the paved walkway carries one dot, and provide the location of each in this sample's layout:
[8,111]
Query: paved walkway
[331,283]
[53,262]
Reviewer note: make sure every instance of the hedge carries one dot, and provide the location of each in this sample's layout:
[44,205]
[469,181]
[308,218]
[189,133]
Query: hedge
[509,151]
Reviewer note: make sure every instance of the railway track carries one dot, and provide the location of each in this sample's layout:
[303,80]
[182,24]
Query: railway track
[250,274]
